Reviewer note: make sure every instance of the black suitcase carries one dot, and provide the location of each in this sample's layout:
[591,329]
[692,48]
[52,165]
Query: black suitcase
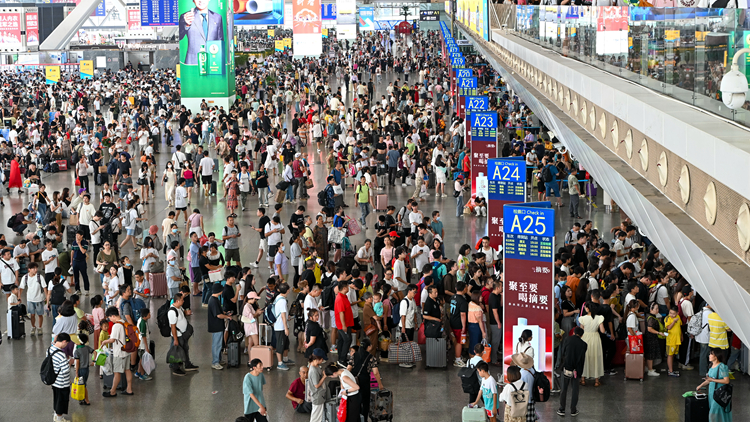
[101,178]
[432,180]
[213,187]
[696,410]
[108,379]
[16,326]
[54,167]
[233,354]
[436,352]
[216,165]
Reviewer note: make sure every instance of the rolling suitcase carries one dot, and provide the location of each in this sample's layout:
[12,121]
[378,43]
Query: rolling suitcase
[101,178]
[70,234]
[264,353]
[633,367]
[432,180]
[107,382]
[280,195]
[381,202]
[330,411]
[619,358]
[475,414]
[16,326]
[436,352]
[696,410]
[381,405]
[233,354]
[338,201]
[213,187]
[216,165]
[158,282]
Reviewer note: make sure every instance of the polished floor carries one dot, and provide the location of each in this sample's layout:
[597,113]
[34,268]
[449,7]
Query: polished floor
[420,394]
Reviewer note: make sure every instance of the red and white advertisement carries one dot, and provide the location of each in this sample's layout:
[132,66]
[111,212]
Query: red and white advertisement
[134,18]
[307,18]
[10,30]
[32,29]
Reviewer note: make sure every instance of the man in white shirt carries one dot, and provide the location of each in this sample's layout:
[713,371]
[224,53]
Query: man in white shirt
[420,254]
[86,211]
[180,200]
[206,169]
[49,259]
[312,300]
[245,183]
[399,271]
[178,158]
[8,271]
[408,317]
[273,232]
[178,324]
[36,293]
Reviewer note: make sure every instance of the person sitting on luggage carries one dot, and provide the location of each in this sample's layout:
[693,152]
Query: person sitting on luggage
[14,303]
[296,392]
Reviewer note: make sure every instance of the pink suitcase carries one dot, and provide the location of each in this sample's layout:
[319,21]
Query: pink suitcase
[158,282]
[633,367]
[265,354]
[381,202]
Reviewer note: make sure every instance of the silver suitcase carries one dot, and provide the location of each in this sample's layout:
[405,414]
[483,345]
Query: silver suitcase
[330,411]
[436,353]
[265,334]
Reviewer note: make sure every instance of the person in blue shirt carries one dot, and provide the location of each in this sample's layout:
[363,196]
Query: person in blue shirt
[330,201]
[336,173]
[552,187]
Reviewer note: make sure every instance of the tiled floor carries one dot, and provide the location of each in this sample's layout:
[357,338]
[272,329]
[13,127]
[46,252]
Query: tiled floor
[420,395]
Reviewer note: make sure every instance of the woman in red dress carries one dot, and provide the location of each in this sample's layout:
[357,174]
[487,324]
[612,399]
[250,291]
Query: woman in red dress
[15,175]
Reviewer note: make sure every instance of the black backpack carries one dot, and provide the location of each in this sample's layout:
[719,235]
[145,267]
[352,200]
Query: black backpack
[322,198]
[57,297]
[469,380]
[326,281]
[236,332]
[329,297]
[162,319]
[541,387]
[547,174]
[269,314]
[47,372]
[12,221]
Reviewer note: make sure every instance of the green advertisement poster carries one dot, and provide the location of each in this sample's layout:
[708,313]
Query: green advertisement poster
[206,48]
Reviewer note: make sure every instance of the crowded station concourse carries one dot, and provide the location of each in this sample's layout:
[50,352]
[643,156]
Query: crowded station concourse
[257,262]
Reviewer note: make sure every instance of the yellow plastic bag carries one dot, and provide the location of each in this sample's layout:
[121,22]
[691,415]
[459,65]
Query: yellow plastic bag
[78,391]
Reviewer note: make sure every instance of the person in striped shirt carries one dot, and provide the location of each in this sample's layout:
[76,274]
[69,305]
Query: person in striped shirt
[61,387]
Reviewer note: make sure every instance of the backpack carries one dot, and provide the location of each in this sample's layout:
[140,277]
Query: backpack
[268,313]
[132,337]
[112,168]
[136,304]
[518,401]
[541,387]
[329,297]
[695,325]
[326,281]
[653,293]
[396,312]
[547,176]
[162,319]
[12,220]
[322,198]
[57,297]
[47,371]
[236,332]
[469,380]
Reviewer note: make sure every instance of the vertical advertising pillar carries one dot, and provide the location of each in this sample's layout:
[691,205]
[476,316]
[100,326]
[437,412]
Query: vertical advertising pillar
[86,69]
[506,185]
[52,74]
[206,53]
[528,266]
[483,146]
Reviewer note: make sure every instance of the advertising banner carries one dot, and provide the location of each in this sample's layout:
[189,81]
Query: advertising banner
[306,17]
[328,11]
[86,68]
[32,29]
[159,13]
[506,185]
[134,18]
[287,43]
[528,263]
[288,18]
[366,19]
[279,44]
[483,125]
[52,73]
[101,9]
[177,72]
[307,44]
[206,48]
[11,31]
[346,19]
[474,14]
[325,32]
[271,33]
[258,12]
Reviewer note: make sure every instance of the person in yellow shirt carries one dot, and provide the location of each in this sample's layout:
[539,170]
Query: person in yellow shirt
[673,324]
[717,331]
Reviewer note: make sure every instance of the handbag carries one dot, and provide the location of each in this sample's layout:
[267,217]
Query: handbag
[99,357]
[404,352]
[341,413]
[723,396]
[148,363]
[215,276]
[176,355]
[487,353]
[78,390]
[635,344]
[335,235]
[370,328]
[100,268]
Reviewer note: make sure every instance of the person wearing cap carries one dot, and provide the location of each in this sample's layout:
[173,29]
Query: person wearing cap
[250,314]
[61,386]
[318,384]
[526,363]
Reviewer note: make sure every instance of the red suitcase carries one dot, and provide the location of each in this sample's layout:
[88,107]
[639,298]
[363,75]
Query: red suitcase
[381,202]
[158,282]
[619,358]
[634,367]
[62,164]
